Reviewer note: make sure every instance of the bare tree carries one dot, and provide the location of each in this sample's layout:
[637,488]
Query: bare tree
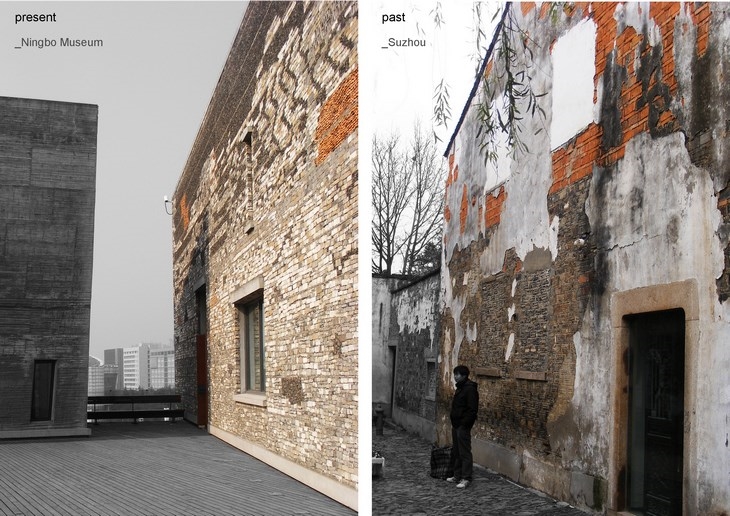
[407,202]
[390,197]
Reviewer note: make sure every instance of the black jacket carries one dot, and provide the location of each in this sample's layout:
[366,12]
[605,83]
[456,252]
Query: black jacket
[465,404]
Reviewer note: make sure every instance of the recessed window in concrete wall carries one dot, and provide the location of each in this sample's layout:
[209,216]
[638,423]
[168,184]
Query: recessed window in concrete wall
[574,68]
[43,376]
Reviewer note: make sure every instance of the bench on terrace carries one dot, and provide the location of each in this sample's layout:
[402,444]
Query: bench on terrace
[135,407]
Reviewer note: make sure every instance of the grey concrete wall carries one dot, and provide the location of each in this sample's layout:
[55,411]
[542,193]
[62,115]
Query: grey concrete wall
[47,193]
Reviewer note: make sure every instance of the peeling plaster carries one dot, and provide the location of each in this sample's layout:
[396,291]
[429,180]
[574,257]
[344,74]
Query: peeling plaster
[685,44]
[510,347]
[415,312]
[653,220]
[636,15]
[573,56]
[639,251]
[658,183]
[471,333]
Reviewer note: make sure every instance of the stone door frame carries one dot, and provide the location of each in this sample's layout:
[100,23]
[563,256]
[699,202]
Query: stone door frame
[684,295]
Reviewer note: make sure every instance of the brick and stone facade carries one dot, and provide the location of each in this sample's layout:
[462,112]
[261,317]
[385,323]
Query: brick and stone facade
[613,214]
[266,209]
[47,194]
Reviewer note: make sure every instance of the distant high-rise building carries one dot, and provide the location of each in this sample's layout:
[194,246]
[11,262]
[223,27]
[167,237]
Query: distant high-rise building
[144,366]
[114,369]
[162,367]
[113,378]
[114,356]
[136,367]
[96,377]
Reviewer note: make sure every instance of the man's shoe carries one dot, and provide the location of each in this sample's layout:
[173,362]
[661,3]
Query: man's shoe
[452,479]
[462,484]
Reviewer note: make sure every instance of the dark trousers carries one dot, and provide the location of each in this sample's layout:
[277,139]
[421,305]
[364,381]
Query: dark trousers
[462,461]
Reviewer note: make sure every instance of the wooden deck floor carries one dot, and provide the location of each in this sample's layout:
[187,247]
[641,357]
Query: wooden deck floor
[150,469]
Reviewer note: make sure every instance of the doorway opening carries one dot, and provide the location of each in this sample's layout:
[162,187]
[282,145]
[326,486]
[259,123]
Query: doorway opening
[201,356]
[655,441]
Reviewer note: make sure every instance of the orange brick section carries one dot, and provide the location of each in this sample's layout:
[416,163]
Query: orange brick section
[338,117]
[463,211]
[185,211]
[575,160]
[493,213]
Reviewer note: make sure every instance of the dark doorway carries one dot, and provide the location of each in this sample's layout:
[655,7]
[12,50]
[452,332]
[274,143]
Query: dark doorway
[392,353]
[42,404]
[201,345]
[656,413]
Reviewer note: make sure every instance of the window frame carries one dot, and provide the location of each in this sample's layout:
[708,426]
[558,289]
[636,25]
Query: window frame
[250,296]
[248,347]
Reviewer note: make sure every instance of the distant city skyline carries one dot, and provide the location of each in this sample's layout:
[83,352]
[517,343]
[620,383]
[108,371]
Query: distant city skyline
[148,365]
[152,79]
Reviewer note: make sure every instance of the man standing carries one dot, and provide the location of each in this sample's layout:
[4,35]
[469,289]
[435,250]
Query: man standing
[463,415]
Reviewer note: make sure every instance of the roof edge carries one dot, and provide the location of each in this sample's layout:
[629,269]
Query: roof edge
[479,75]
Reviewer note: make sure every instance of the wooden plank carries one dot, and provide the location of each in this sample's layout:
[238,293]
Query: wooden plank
[492,372]
[537,376]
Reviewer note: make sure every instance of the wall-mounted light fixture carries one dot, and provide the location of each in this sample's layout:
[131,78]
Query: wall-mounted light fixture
[167,201]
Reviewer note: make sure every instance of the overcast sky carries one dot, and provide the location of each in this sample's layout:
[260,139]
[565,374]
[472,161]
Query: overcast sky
[152,81]
[405,77]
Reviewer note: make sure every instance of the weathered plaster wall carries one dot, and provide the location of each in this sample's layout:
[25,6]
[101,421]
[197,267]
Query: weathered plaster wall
[383,349]
[638,198]
[47,194]
[414,321]
[269,195]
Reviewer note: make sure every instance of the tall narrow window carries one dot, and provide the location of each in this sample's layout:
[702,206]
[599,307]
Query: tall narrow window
[248,171]
[252,340]
[42,405]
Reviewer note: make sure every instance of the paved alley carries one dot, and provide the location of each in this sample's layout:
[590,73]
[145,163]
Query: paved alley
[407,487]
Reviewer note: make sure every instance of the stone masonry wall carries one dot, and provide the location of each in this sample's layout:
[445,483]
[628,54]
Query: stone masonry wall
[635,199]
[270,193]
[47,191]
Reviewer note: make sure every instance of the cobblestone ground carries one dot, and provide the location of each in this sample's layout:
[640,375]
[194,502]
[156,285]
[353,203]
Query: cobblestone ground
[406,486]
